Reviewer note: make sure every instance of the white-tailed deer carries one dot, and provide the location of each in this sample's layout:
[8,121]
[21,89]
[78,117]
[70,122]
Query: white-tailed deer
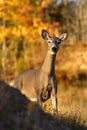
[41,84]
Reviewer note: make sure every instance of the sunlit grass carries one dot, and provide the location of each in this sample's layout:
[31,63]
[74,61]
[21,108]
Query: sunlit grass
[72,107]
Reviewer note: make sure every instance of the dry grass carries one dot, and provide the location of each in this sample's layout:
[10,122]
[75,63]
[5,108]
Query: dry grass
[72,107]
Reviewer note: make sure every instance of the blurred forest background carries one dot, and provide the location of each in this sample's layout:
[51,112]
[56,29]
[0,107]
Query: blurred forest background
[21,22]
[21,47]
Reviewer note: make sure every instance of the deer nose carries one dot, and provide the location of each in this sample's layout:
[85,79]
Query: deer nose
[54,48]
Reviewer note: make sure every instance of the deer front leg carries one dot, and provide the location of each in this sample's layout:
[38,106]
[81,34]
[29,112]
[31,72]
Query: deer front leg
[54,101]
[39,100]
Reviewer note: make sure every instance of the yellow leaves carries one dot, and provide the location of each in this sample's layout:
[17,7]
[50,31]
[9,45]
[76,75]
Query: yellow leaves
[6,10]
[11,2]
[14,31]
[1,9]
[19,31]
[23,30]
[43,3]
[36,22]
[1,4]
[4,32]
[2,14]
[22,19]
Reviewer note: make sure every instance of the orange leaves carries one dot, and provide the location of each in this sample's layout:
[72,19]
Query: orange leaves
[23,18]
[21,10]
[45,3]
[24,9]
[1,4]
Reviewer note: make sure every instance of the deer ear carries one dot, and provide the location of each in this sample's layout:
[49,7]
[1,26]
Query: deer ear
[63,36]
[45,34]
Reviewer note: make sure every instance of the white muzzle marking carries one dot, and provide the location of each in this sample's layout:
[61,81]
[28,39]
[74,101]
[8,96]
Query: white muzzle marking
[33,99]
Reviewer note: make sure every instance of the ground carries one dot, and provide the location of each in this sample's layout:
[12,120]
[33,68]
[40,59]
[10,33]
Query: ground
[18,113]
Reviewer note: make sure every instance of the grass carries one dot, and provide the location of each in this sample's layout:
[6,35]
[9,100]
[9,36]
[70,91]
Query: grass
[17,111]
[72,107]
[74,122]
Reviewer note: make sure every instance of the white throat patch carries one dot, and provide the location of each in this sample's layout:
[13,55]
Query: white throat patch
[52,53]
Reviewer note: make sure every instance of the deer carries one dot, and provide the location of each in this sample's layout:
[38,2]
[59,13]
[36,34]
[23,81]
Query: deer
[41,84]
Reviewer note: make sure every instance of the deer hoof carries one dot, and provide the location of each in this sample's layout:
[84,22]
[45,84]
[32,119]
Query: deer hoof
[55,113]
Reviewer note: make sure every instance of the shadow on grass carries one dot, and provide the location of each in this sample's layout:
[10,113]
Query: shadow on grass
[73,122]
[18,113]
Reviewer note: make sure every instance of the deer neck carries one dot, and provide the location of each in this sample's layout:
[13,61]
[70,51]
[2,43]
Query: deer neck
[48,65]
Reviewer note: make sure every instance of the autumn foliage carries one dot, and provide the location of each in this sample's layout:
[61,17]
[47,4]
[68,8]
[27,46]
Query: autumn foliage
[21,23]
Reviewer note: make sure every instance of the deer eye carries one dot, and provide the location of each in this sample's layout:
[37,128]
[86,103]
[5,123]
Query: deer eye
[49,42]
[58,42]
